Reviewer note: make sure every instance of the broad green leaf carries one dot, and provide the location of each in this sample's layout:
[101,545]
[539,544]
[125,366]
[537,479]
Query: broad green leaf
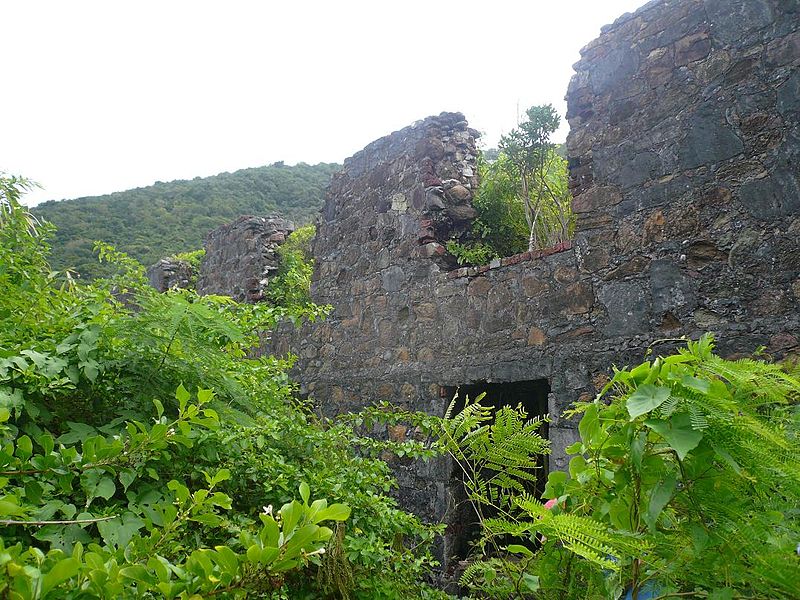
[24,447]
[531,582]
[302,539]
[335,512]
[221,475]
[518,549]
[640,373]
[305,492]
[589,427]
[701,385]
[138,573]
[209,519]
[9,507]
[659,498]
[290,515]
[227,558]
[270,532]
[62,571]
[118,532]
[105,488]
[182,395]
[637,450]
[678,433]
[555,484]
[646,398]
[78,432]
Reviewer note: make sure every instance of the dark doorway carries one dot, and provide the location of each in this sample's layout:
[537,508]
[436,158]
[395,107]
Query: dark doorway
[464,527]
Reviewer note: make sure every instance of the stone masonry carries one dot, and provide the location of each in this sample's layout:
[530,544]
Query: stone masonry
[241,256]
[683,153]
[169,273]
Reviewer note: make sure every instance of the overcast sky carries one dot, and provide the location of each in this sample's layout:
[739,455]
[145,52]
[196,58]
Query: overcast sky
[101,96]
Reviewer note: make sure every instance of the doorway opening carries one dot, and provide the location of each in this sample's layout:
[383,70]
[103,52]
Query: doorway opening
[464,528]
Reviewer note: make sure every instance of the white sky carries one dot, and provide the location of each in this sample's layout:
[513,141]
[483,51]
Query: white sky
[102,96]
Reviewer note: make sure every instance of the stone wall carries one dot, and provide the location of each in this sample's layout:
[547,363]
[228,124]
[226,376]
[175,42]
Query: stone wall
[241,256]
[169,273]
[683,157]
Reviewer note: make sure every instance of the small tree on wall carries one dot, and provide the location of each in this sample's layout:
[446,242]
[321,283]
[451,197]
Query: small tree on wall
[540,176]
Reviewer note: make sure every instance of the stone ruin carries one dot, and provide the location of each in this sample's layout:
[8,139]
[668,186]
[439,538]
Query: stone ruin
[170,273]
[683,156]
[240,259]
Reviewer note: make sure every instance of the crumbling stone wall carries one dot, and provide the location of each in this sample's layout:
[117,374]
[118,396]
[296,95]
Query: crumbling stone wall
[683,158]
[169,273]
[241,256]
[684,161]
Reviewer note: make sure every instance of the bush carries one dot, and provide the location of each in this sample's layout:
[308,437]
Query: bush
[686,482]
[112,484]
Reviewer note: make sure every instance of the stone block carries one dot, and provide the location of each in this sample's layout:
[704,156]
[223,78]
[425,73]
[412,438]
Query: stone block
[709,138]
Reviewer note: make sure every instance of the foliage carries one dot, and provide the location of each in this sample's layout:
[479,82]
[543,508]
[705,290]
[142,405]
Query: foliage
[540,177]
[471,253]
[192,260]
[686,481]
[152,222]
[501,216]
[523,199]
[292,284]
[129,489]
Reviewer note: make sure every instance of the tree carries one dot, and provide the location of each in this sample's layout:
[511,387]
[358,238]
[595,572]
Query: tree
[540,175]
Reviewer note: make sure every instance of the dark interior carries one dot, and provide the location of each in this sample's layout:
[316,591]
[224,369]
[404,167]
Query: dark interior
[532,396]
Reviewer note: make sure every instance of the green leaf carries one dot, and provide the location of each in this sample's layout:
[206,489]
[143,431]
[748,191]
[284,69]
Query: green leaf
[678,433]
[518,549]
[24,447]
[63,570]
[182,395]
[77,433]
[118,532]
[221,475]
[290,515]
[589,427]
[138,573]
[305,492]
[659,498]
[531,582]
[646,398]
[637,450]
[301,540]
[105,488]
[270,532]
[227,558]
[335,512]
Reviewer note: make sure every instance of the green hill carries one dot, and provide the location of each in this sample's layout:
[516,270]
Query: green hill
[166,218]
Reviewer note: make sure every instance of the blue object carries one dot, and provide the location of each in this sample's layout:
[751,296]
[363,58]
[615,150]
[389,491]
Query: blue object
[647,592]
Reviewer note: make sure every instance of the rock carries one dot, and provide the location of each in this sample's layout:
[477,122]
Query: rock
[168,273]
[459,193]
[241,256]
[461,213]
[709,139]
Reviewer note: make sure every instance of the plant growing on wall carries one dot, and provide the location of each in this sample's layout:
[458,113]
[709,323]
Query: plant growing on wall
[523,200]
[540,177]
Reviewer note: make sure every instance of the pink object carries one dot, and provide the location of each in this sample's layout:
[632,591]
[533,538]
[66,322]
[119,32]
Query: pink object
[551,503]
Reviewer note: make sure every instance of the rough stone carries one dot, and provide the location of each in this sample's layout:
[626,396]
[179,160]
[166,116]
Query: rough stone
[169,273]
[241,257]
[709,139]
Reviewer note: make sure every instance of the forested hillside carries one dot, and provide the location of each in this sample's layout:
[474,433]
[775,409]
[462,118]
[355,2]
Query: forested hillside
[152,222]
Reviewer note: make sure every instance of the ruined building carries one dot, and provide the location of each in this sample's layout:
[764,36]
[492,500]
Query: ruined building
[683,154]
